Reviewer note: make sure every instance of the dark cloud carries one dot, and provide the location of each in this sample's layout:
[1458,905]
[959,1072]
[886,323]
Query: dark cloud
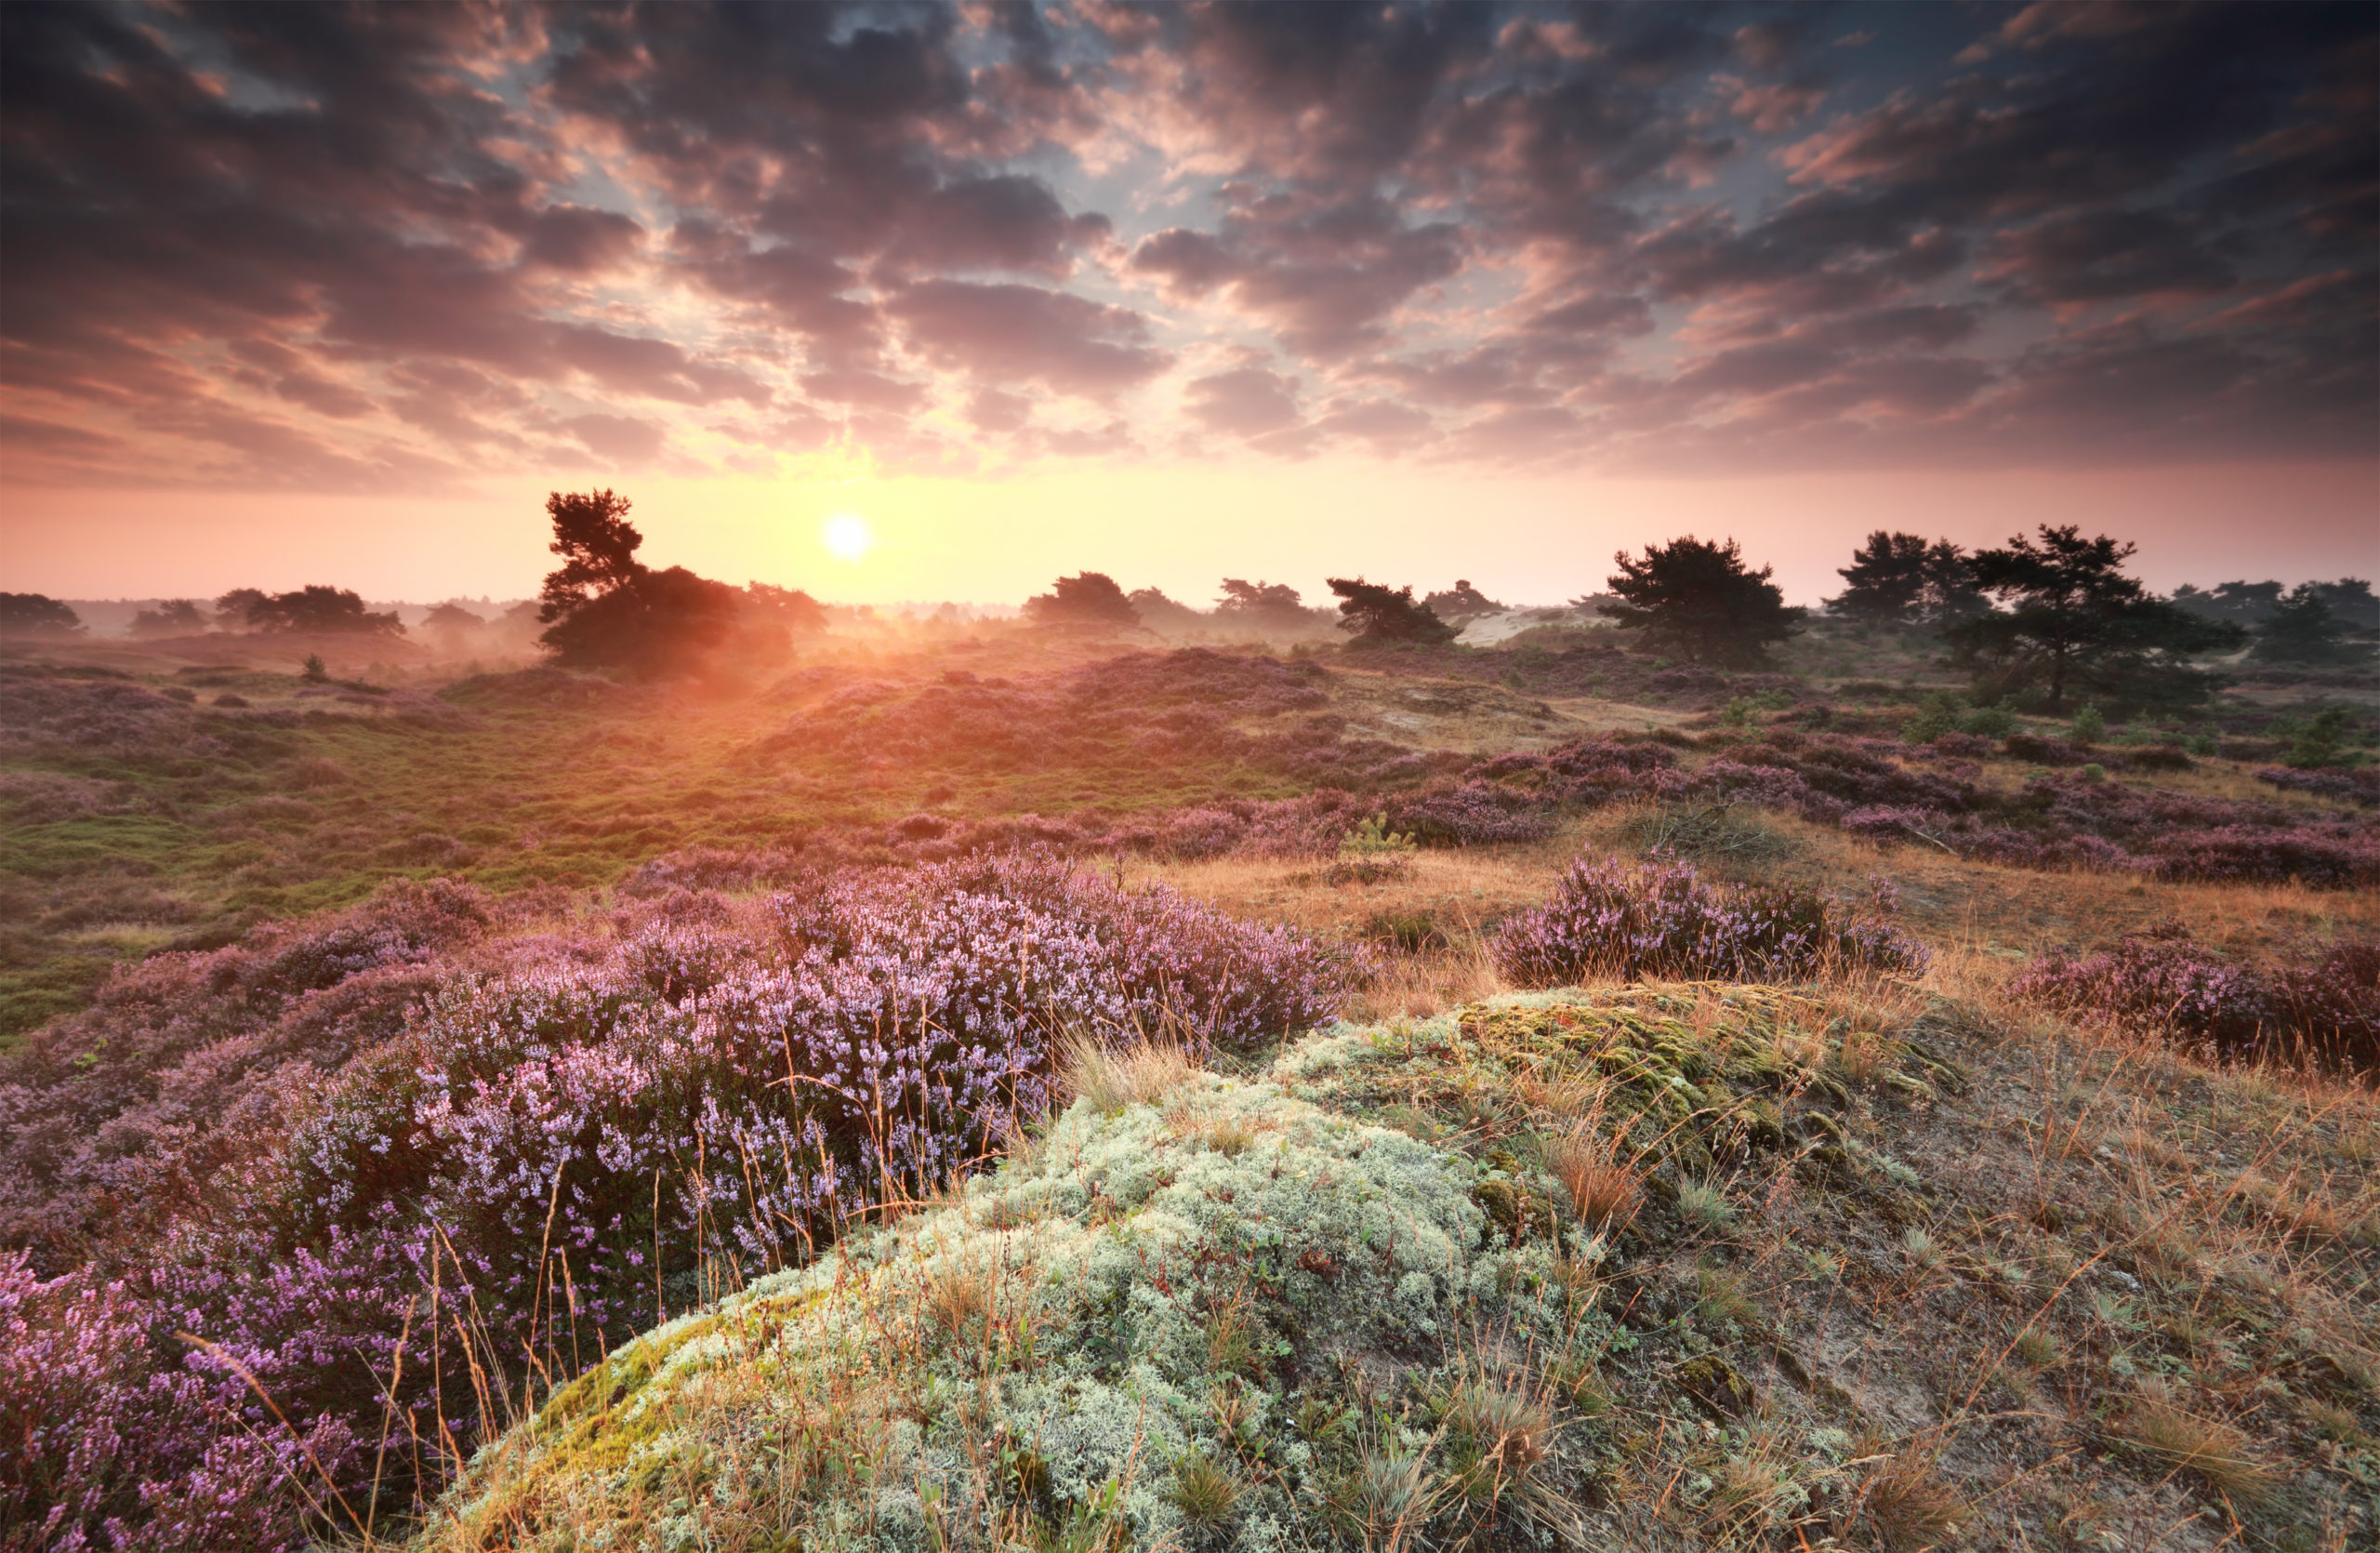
[374,247]
[1015,334]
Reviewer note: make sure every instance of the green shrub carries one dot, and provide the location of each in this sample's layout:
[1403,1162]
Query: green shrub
[2090,726]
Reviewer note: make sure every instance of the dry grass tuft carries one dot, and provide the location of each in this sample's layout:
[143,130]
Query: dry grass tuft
[1908,1505]
[1111,1080]
[1606,1188]
[2208,1448]
[1204,1490]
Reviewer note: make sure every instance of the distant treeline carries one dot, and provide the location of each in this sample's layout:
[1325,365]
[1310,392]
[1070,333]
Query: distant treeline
[2047,620]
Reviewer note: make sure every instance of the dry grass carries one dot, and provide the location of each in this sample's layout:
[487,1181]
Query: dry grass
[1111,1078]
[1606,1187]
[2185,1441]
[1908,1505]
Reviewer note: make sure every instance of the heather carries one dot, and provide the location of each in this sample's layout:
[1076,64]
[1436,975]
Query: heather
[564,1142]
[2319,1005]
[1608,919]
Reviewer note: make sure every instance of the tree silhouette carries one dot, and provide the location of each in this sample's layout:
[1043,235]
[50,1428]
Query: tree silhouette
[2303,628]
[1698,601]
[451,618]
[2242,602]
[1085,599]
[1376,613]
[1260,603]
[790,609]
[171,617]
[598,545]
[1899,580]
[2076,624]
[36,615]
[605,609]
[1462,602]
[317,609]
[237,609]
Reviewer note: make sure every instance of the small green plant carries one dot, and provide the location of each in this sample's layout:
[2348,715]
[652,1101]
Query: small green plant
[2094,772]
[1371,853]
[1372,838]
[2036,1349]
[2090,726]
[315,669]
[2321,742]
[1936,716]
[1704,1204]
[1205,1492]
[1988,722]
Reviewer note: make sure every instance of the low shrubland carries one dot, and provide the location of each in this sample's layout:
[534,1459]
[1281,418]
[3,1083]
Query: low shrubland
[1610,921]
[2321,1007]
[570,1134]
[1655,1266]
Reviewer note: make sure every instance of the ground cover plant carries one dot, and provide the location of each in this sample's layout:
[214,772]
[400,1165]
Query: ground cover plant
[705,1093]
[1688,1267]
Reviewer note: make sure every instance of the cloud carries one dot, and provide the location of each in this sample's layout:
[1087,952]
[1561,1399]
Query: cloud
[385,248]
[622,438]
[1243,403]
[1007,333]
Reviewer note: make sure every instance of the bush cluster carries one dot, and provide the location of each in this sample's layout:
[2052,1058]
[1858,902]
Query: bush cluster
[2321,1007]
[1663,922]
[571,1134]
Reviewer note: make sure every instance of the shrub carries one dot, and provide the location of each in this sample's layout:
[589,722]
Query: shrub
[1475,813]
[106,1446]
[1661,921]
[2361,784]
[2322,1008]
[2090,726]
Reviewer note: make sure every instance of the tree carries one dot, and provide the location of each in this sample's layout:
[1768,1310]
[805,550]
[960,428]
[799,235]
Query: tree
[2303,629]
[1085,599]
[1462,601]
[2241,602]
[1899,580]
[598,545]
[1160,612]
[236,610]
[605,609]
[654,624]
[2077,624]
[449,618]
[171,617]
[321,610]
[36,615]
[1379,614]
[1260,604]
[2352,600]
[1698,601]
[790,609]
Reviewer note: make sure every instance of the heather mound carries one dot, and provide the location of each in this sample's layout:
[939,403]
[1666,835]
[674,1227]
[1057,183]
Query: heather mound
[1681,1266]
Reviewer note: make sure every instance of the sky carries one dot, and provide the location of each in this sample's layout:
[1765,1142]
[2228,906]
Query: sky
[986,293]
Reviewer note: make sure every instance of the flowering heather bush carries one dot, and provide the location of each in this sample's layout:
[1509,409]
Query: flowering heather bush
[1661,921]
[179,1046]
[1472,815]
[103,1446]
[2360,784]
[2324,1009]
[597,1128]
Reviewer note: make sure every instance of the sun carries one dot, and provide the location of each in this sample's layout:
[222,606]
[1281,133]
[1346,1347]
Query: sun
[848,535]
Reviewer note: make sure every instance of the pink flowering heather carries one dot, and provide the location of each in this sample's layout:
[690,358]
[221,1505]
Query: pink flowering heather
[2322,1008]
[563,1143]
[1608,919]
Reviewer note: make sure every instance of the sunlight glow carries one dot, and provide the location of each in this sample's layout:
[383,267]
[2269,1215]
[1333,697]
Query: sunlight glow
[848,536]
